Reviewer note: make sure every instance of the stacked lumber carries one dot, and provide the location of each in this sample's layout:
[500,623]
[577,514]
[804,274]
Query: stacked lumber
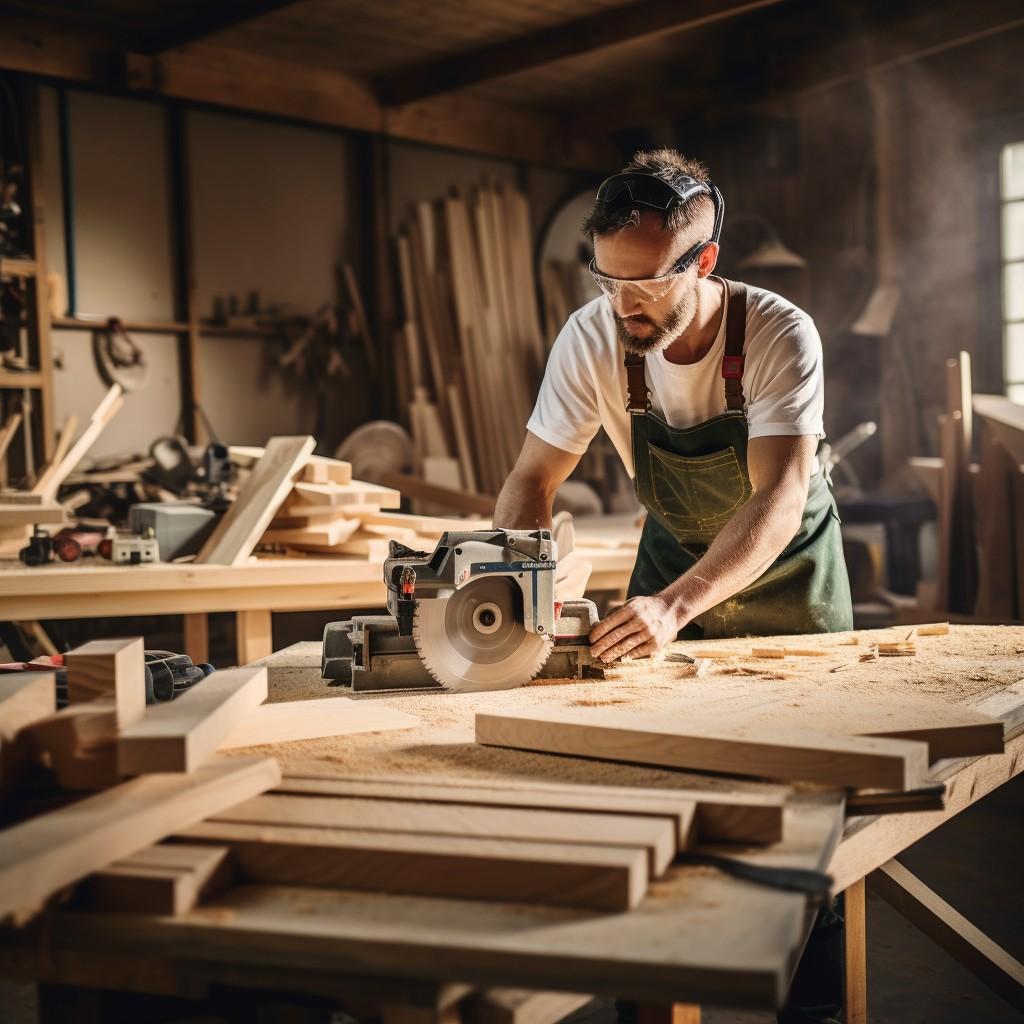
[153,771]
[470,352]
[980,504]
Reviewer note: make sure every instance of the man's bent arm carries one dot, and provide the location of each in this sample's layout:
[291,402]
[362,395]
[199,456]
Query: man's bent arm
[780,471]
[525,500]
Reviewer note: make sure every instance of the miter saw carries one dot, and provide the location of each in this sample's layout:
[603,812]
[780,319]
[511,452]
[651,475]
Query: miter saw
[476,613]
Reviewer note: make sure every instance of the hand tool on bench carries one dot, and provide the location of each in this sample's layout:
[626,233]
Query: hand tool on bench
[476,613]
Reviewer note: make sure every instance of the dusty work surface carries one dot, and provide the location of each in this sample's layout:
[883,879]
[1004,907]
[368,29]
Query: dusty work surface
[966,666]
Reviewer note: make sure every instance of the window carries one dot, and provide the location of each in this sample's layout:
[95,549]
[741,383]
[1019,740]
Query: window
[1011,188]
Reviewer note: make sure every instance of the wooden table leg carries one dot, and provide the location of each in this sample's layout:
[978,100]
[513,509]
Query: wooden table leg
[855,934]
[254,638]
[197,637]
[667,1013]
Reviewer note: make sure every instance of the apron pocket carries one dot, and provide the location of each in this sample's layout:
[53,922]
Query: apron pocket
[695,496]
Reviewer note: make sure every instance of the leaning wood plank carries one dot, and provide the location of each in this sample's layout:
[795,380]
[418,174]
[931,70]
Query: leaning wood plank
[596,877]
[178,736]
[169,878]
[7,432]
[312,719]
[951,931]
[655,835]
[49,483]
[110,668]
[774,753]
[47,853]
[260,497]
[721,817]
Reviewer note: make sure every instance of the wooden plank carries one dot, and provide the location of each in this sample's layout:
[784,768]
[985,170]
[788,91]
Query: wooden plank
[49,482]
[25,698]
[254,635]
[43,855]
[260,497]
[950,930]
[80,745]
[289,721]
[855,762]
[180,735]
[596,877]
[855,1003]
[7,432]
[357,492]
[429,525]
[197,637]
[169,878]
[721,816]
[326,471]
[110,668]
[28,515]
[336,531]
[656,835]
[457,500]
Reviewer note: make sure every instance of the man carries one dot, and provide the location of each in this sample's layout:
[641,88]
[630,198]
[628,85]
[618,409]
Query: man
[711,391]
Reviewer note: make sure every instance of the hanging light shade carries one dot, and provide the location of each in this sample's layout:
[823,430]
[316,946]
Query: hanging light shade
[771,254]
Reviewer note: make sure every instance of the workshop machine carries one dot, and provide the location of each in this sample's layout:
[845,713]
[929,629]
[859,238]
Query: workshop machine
[476,613]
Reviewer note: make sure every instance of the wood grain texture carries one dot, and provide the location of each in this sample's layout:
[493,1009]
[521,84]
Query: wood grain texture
[655,835]
[720,817]
[49,852]
[178,736]
[855,1005]
[289,721]
[168,878]
[258,500]
[856,762]
[110,668]
[596,877]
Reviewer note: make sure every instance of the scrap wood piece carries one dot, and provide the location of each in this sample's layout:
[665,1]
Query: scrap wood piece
[313,719]
[169,878]
[259,498]
[776,752]
[43,855]
[950,930]
[114,669]
[722,816]
[788,652]
[577,875]
[357,492]
[521,1006]
[932,629]
[57,472]
[179,735]
[656,835]
[337,531]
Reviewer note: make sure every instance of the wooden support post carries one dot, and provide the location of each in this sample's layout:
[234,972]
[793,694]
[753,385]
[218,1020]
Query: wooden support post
[947,928]
[855,935]
[197,637]
[254,636]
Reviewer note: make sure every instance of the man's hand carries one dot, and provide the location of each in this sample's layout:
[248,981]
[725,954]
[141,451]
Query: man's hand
[640,628]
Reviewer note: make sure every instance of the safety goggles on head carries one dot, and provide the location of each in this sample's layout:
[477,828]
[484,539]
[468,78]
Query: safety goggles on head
[638,188]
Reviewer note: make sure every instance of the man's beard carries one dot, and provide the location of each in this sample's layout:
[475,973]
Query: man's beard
[679,317]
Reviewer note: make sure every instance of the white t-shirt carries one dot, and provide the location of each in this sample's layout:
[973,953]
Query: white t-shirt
[584,384]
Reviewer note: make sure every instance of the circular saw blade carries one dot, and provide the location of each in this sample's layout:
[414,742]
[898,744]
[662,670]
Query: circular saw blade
[476,640]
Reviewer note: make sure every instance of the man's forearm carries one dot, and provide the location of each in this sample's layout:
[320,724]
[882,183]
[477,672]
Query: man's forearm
[747,545]
[523,504]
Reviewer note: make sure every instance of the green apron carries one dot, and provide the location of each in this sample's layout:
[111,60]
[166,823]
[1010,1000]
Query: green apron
[692,480]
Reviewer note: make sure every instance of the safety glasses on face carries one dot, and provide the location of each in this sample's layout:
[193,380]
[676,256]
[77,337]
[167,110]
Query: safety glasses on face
[651,289]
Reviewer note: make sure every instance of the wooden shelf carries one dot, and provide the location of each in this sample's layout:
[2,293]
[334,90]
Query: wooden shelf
[16,380]
[72,323]
[17,268]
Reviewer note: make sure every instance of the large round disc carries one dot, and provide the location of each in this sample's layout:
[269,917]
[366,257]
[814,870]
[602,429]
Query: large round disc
[475,639]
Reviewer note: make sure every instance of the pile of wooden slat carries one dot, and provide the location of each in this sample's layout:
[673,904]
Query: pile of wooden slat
[170,755]
[470,351]
[980,504]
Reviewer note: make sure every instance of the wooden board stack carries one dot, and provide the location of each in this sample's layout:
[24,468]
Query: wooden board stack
[471,349]
[107,733]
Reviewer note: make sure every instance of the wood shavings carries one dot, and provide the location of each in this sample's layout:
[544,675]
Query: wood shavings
[844,666]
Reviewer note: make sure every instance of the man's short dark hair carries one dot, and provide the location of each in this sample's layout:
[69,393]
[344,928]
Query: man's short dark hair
[669,165]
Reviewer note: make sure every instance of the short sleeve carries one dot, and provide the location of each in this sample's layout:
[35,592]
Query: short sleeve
[566,414]
[785,392]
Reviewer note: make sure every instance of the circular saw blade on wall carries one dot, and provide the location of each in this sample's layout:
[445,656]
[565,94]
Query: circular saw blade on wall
[378,446]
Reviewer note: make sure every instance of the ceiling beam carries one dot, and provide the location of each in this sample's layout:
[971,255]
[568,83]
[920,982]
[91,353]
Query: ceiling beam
[613,27]
[218,76]
[211,18]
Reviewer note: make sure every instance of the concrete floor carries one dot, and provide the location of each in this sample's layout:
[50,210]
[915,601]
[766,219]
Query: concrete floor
[974,862]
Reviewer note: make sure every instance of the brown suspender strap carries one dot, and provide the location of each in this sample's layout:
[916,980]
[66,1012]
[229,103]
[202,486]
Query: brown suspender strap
[735,335]
[638,400]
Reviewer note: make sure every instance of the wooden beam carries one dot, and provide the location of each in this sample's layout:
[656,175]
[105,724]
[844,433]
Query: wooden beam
[774,753]
[210,18]
[43,855]
[614,27]
[459,501]
[950,930]
[113,669]
[855,1003]
[180,735]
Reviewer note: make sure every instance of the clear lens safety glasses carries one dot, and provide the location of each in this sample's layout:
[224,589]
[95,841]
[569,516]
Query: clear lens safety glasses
[652,289]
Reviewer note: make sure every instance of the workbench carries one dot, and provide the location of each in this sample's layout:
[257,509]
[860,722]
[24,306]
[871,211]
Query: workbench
[93,589]
[699,938]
